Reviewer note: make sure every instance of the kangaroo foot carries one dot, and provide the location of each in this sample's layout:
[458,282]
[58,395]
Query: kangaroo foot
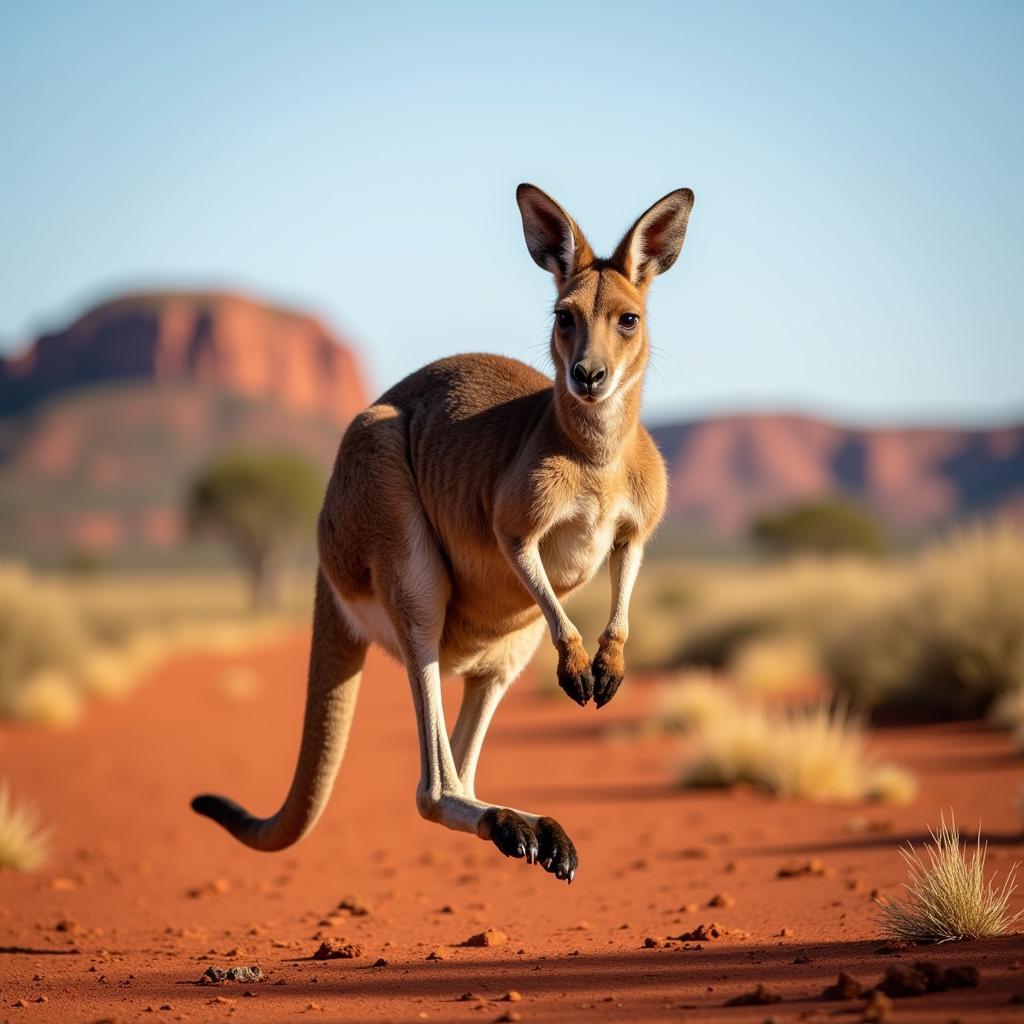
[545,843]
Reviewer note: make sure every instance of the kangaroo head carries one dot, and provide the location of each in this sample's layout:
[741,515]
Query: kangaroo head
[599,340]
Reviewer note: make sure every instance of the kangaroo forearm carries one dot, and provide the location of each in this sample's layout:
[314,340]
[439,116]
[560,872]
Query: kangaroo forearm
[625,565]
[524,557]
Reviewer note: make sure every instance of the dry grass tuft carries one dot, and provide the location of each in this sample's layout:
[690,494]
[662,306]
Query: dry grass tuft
[817,753]
[1008,711]
[24,846]
[948,897]
[691,701]
[776,666]
[64,639]
[47,698]
[891,784]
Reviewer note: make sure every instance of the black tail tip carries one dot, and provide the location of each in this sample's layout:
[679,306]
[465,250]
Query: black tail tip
[204,805]
[209,806]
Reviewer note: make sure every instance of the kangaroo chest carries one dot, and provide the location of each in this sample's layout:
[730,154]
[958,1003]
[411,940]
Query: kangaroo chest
[573,550]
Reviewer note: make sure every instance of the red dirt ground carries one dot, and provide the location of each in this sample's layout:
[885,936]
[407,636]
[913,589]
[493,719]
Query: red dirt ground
[154,894]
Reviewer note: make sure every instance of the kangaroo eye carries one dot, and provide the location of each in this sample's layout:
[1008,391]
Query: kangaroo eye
[628,321]
[564,320]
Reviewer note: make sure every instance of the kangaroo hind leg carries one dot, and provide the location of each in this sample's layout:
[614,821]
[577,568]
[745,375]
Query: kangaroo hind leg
[539,839]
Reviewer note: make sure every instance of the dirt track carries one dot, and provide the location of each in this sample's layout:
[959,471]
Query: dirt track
[152,895]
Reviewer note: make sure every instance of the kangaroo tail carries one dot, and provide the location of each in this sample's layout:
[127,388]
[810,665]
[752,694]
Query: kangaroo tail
[335,668]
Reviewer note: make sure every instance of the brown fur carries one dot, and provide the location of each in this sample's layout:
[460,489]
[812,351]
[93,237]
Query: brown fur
[472,497]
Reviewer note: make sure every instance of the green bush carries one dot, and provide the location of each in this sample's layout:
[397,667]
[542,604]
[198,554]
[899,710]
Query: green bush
[827,526]
[261,503]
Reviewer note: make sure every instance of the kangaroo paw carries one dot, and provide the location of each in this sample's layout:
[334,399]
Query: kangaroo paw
[607,679]
[546,844]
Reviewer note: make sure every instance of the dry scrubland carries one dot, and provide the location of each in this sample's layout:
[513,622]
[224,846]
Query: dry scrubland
[938,634]
[66,640]
[781,873]
[772,669]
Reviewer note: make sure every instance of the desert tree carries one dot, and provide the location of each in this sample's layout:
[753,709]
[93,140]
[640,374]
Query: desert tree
[830,525]
[262,504]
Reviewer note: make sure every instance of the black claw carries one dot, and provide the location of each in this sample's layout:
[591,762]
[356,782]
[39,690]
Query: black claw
[546,843]
[605,686]
[580,688]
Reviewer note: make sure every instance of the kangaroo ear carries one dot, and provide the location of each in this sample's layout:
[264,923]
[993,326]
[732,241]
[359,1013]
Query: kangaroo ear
[555,242]
[652,244]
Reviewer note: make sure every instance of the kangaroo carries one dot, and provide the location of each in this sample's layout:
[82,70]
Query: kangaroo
[464,504]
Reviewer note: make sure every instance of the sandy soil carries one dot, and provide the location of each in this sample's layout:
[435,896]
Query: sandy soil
[142,896]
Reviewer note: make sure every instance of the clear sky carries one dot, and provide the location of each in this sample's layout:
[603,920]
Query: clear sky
[856,249]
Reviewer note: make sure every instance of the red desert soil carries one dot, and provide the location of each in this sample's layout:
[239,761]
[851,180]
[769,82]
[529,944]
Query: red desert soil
[142,896]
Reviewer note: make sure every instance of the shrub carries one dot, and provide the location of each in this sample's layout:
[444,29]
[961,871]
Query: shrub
[815,753]
[24,846]
[47,698]
[826,526]
[1008,711]
[775,666]
[948,897]
[40,632]
[261,503]
[951,641]
[692,701]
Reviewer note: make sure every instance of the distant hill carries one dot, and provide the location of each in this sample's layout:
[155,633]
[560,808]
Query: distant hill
[211,339]
[103,424]
[724,471]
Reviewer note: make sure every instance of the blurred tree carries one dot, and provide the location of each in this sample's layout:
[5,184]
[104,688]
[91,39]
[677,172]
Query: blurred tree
[262,504]
[828,526]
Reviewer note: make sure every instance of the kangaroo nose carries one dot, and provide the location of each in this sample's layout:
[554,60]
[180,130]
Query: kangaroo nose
[591,378]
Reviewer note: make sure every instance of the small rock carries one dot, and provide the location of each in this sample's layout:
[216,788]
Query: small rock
[964,976]
[707,932]
[507,1016]
[721,899]
[846,987]
[438,954]
[353,906]
[760,996]
[379,962]
[332,949]
[217,975]
[67,925]
[511,996]
[901,982]
[20,1004]
[467,997]
[892,948]
[813,866]
[490,937]
[650,942]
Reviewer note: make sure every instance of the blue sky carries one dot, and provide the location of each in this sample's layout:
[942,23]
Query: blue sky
[855,250]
